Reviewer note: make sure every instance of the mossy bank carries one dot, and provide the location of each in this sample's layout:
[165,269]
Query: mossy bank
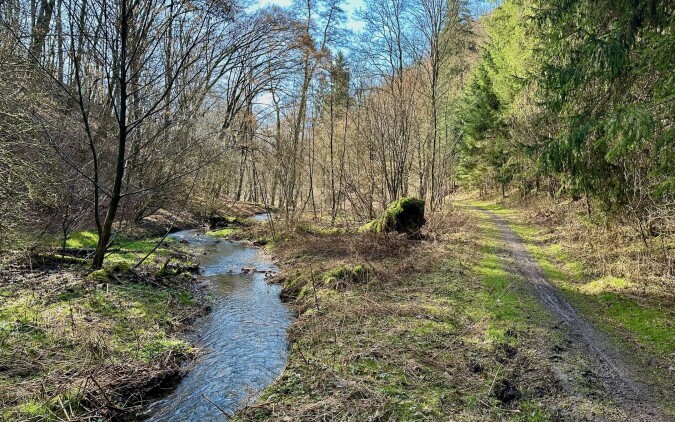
[93,345]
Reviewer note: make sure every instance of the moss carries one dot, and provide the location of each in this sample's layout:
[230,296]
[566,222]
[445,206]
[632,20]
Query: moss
[216,220]
[346,273]
[302,283]
[404,216]
[293,286]
[120,267]
[33,409]
[166,271]
[222,233]
[318,230]
[82,239]
[100,276]
[124,253]
[51,327]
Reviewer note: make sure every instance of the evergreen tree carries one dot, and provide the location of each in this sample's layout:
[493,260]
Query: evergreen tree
[608,77]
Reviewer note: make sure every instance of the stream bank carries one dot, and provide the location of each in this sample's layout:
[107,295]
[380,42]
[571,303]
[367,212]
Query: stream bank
[77,344]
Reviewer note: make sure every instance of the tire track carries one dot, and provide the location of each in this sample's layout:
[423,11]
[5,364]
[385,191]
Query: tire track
[604,357]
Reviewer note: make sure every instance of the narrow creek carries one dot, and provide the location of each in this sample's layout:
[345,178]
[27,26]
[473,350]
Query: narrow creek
[243,338]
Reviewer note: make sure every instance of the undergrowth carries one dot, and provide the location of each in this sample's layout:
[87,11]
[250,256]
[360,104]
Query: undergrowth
[87,345]
[124,250]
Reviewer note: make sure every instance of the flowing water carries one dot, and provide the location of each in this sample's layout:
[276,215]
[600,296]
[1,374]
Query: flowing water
[244,336]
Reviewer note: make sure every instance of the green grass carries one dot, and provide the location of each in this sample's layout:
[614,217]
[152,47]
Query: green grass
[125,252]
[82,239]
[77,327]
[506,302]
[600,300]
[75,321]
[131,252]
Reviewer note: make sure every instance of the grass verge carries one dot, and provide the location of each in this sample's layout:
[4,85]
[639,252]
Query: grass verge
[640,320]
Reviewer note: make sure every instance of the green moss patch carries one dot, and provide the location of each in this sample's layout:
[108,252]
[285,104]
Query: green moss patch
[302,283]
[124,253]
[404,216]
[222,233]
[82,239]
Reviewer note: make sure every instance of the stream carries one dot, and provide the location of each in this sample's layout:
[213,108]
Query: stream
[243,339]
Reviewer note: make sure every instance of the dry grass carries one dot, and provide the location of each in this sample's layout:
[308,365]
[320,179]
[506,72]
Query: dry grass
[436,331]
[605,247]
[73,347]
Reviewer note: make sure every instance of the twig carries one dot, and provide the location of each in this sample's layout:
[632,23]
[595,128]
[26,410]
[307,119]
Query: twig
[65,411]
[227,415]
[105,396]
[187,197]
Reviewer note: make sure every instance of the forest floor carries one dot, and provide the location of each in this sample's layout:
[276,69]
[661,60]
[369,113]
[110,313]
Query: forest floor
[497,314]
[482,320]
[77,344]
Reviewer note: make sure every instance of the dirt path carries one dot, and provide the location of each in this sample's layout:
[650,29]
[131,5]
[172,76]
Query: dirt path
[604,357]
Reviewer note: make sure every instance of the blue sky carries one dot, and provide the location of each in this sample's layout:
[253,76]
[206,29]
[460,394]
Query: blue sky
[350,6]
[478,7]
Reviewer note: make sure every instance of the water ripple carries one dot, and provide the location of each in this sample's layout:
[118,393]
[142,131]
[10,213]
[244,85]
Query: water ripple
[244,337]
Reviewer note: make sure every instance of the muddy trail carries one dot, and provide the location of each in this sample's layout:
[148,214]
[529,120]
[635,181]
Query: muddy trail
[604,358]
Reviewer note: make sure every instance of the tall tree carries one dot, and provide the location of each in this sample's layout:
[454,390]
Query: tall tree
[608,79]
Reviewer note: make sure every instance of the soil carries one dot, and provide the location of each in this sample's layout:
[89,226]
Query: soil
[606,361]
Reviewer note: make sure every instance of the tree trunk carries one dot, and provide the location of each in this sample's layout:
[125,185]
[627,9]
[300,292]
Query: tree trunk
[105,232]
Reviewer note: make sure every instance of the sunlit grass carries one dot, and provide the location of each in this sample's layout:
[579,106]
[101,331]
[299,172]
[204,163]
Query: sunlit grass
[80,327]
[605,300]
[126,252]
[504,303]
[82,239]
[220,233]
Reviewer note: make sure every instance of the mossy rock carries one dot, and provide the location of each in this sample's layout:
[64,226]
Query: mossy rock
[120,268]
[301,284]
[292,286]
[100,276]
[217,221]
[403,216]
